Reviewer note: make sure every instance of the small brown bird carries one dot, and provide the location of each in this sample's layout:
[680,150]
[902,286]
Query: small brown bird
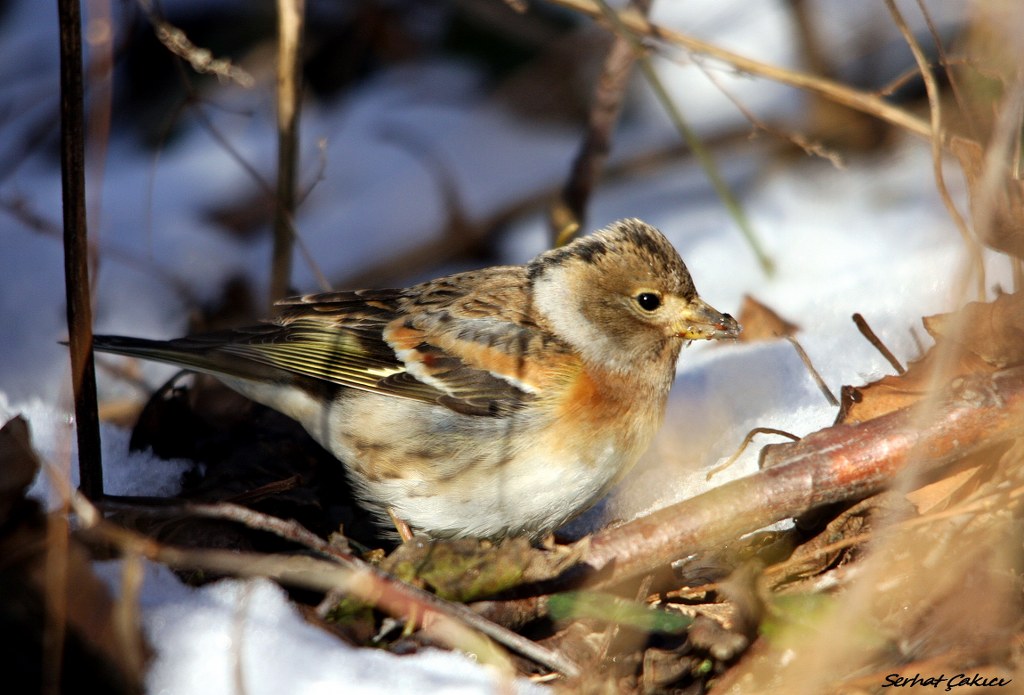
[503,401]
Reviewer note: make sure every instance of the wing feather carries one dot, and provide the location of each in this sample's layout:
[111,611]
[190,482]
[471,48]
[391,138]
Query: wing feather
[436,343]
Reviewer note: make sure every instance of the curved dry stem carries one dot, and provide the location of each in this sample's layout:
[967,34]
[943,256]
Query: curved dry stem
[838,92]
[707,162]
[935,107]
[452,623]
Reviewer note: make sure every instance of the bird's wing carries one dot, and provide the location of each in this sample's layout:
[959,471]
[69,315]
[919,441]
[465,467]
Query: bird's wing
[472,351]
[391,342]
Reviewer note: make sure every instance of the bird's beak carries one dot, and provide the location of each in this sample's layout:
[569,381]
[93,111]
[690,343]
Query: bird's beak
[699,321]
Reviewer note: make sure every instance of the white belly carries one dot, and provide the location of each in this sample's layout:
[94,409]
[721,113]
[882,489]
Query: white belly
[527,496]
[446,473]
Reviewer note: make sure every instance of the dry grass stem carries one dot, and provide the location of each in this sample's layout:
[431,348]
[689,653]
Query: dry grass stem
[876,342]
[289,98]
[454,624]
[822,386]
[743,447]
[76,249]
[838,92]
[938,137]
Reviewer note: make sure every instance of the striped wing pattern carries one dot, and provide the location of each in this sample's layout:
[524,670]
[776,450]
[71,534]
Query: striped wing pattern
[371,340]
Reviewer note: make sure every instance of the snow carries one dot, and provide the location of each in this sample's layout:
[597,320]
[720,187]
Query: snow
[246,636]
[872,237]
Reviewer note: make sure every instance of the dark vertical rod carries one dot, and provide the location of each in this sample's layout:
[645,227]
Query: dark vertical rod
[76,249]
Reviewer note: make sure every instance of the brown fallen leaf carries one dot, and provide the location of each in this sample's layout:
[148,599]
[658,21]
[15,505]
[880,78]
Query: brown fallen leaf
[947,491]
[760,322]
[18,466]
[977,339]
[1003,203]
[993,331]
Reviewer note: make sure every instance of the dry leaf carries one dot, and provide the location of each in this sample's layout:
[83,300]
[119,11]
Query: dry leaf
[993,331]
[946,491]
[762,323]
[983,336]
[1004,206]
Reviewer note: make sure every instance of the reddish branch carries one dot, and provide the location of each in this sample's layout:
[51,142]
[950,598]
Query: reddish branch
[844,462]
[839,463]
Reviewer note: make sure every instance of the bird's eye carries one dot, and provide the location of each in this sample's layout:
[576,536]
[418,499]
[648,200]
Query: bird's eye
[648,301]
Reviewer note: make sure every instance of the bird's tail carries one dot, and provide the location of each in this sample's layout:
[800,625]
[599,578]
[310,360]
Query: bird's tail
[197,355]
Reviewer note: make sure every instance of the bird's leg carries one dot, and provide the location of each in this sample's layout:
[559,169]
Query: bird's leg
[404,532]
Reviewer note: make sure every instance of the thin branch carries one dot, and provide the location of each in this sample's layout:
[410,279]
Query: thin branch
[838,92]
[596,144]
[289,95]
[343,572]
[707,162]
[954,83]
[76,250]
[264,186]
[822,386]
[935,108]
[194,102]
[810,147]
[869,335]
[287,529]
[835,464]
[18,208]
[743,447]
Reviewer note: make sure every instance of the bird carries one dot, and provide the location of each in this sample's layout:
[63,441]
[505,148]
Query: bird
[486,404]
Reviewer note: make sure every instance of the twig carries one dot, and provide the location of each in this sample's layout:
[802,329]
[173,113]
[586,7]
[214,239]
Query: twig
[810,147]
[289,94]
[263,185]
[829,396]
[899,81]
[838,92]
[18,208]
[352,576]
[869,335]
[707,162]
[838,463]
[194,102]
[745,443]
[201,59]
[937,138]
[954,83]
[76,250]
[596,144]
[289,530]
